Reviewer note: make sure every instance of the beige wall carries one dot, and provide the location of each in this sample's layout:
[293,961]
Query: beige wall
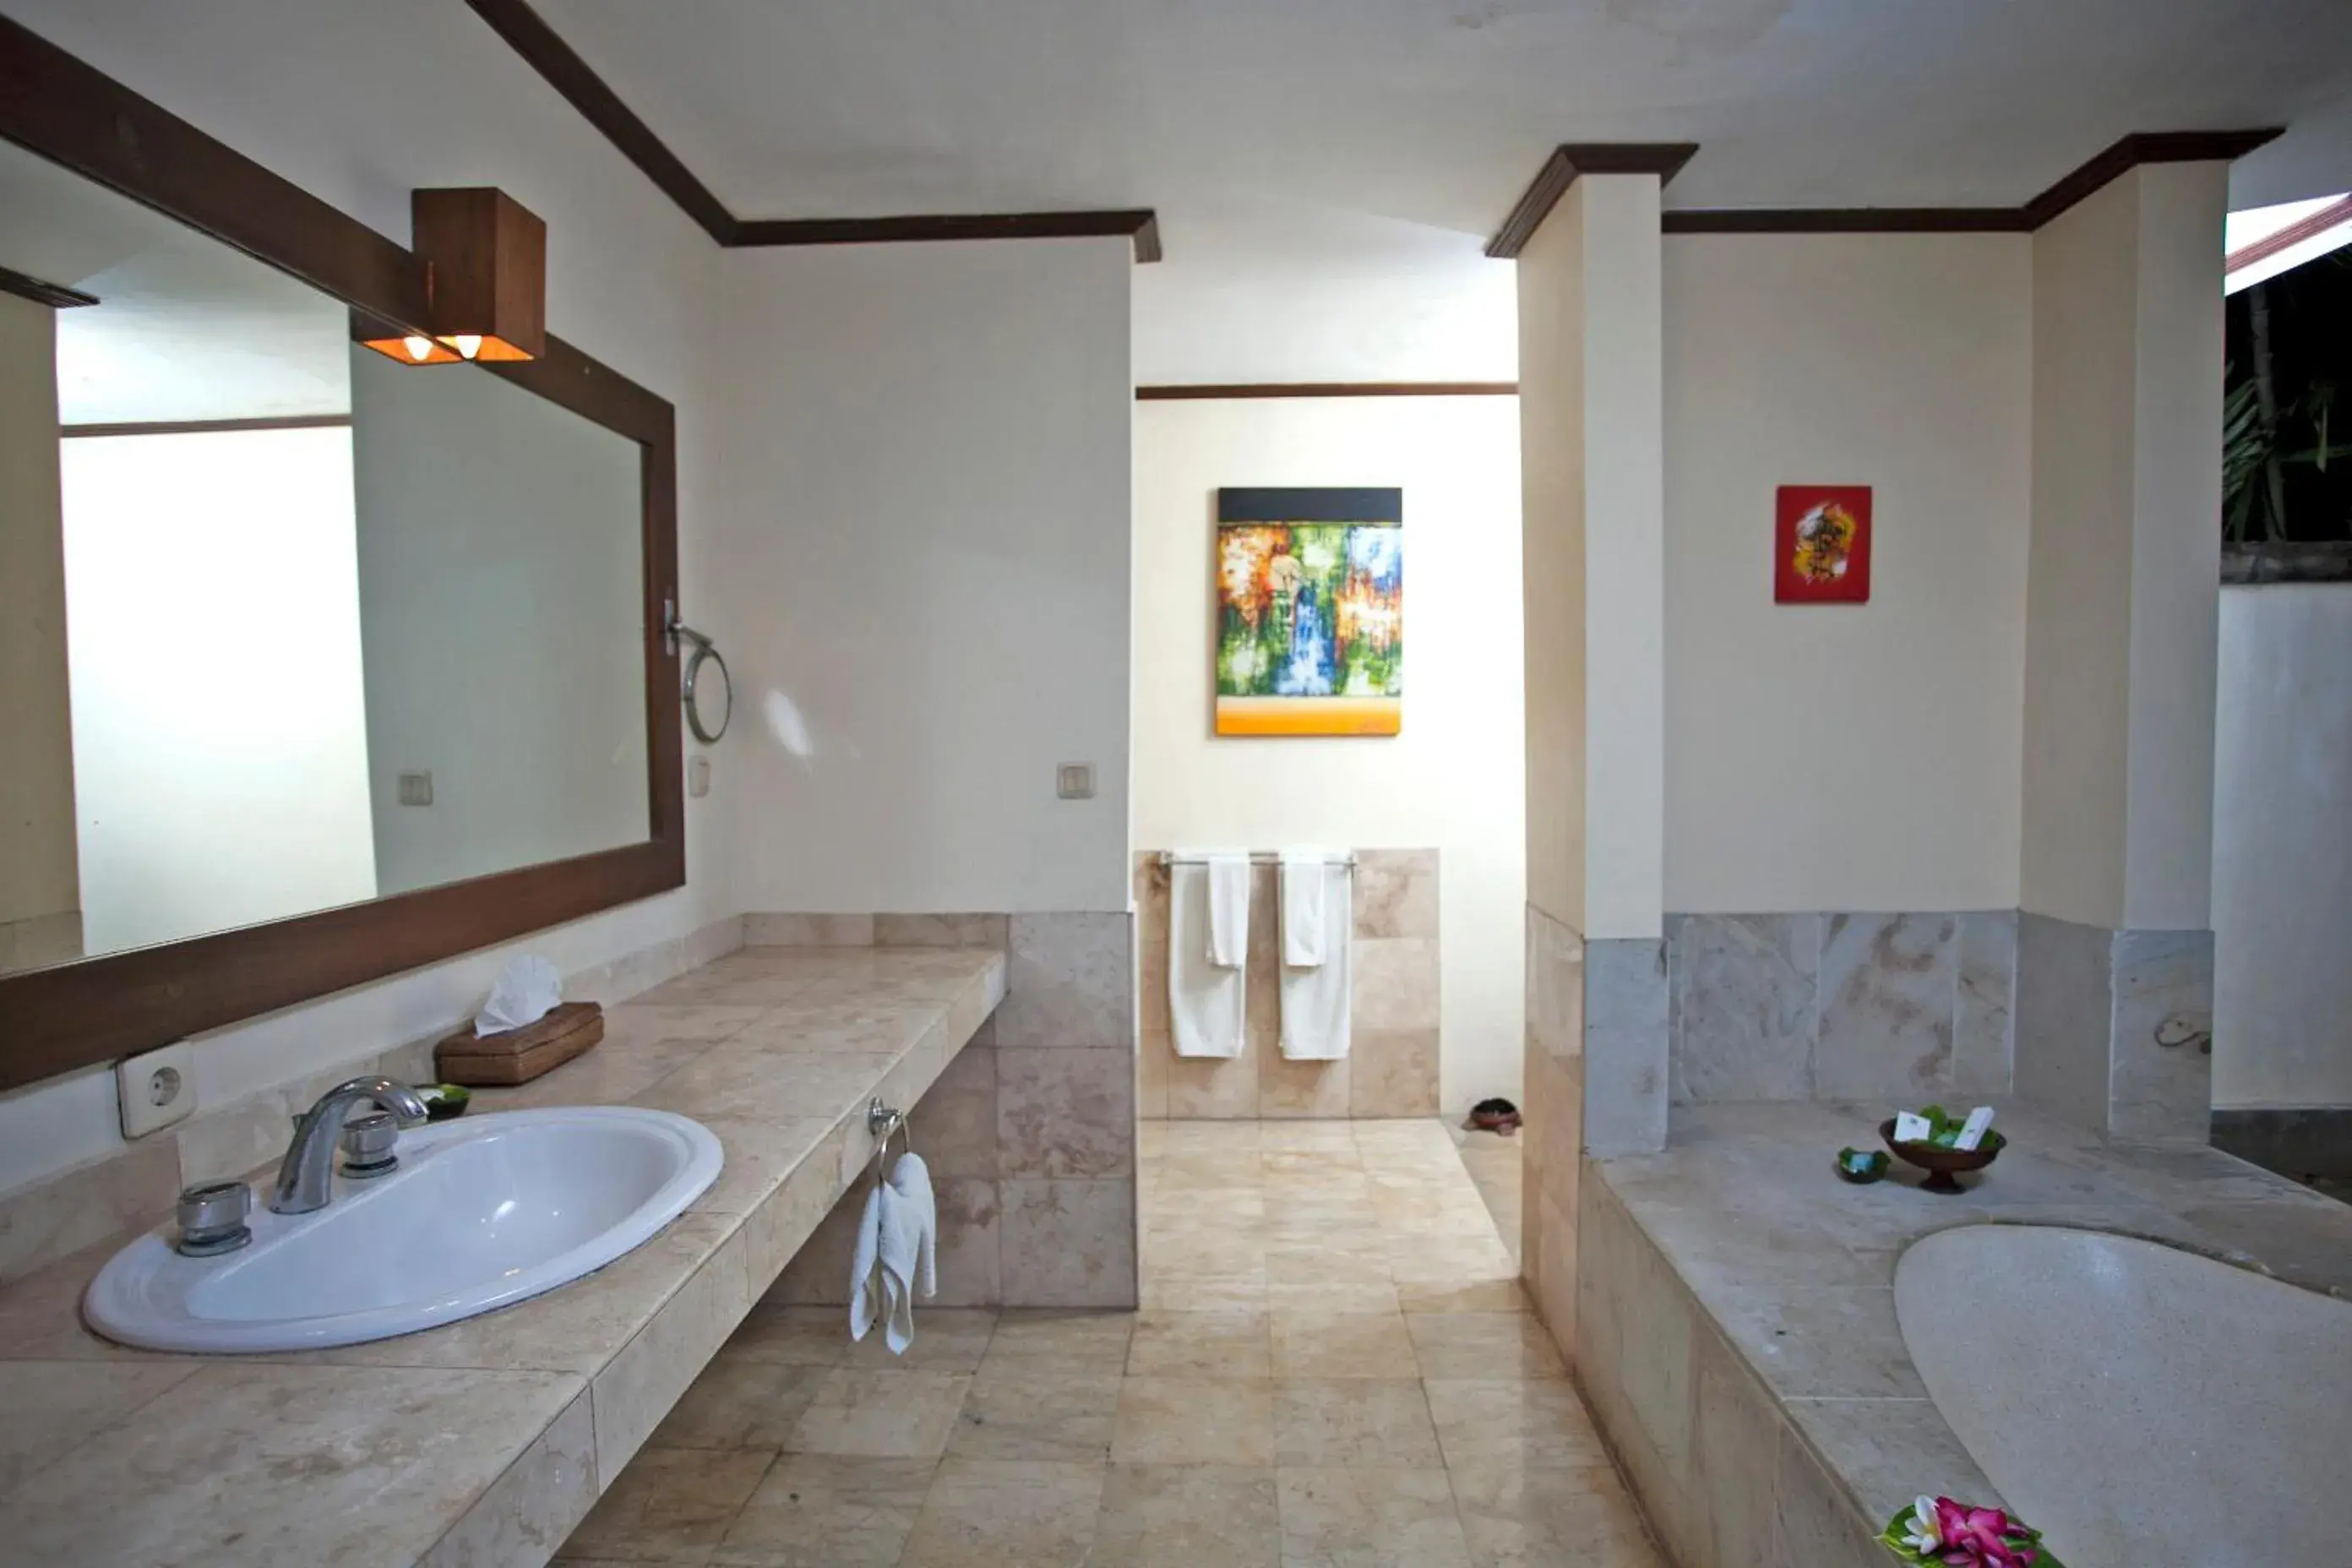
[2117,774]
[1551,469]
[1846,757]
[1454,778]
[39,890]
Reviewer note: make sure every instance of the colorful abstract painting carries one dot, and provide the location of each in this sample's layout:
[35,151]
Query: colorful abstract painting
[1821,545]
[1310,611]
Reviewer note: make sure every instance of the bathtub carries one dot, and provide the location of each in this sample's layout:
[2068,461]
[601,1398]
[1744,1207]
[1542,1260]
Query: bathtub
[2138,1405]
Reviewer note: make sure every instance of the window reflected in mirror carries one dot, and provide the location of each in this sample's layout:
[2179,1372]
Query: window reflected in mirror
[284,624]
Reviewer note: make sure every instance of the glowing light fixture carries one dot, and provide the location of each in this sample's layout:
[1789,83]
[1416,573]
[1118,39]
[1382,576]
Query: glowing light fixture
[486,279]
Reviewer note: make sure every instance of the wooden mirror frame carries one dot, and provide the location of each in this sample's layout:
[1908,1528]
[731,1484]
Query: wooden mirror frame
[96,1009]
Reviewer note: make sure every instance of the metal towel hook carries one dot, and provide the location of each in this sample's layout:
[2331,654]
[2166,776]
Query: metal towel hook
[882,1121]
[673,628]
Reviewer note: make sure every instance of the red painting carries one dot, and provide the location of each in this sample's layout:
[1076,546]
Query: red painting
[1821,545]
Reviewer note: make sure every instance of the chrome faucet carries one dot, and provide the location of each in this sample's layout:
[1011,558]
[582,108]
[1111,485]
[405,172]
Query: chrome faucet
[303,1180]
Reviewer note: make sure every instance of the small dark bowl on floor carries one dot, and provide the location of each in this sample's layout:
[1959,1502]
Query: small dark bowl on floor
[1940,1163]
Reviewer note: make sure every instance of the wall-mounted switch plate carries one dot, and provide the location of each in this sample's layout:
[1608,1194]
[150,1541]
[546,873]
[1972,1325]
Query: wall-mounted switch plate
[156,1089]
[416,789]
[1074,781]
[698,776]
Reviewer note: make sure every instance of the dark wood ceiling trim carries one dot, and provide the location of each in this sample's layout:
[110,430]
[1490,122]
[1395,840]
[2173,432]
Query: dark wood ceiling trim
[2142,147]
[211,426]
[1843,220]
[1569,158]
[1140,225]
[543,49]
[2294,234]
[1201,391]
[41,292]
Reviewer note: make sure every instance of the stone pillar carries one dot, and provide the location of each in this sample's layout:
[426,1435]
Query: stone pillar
[2115,957]
[40,886]
[1592,463]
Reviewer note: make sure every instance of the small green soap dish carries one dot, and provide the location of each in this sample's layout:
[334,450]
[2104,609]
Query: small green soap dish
[1861,1166]
[444,1101]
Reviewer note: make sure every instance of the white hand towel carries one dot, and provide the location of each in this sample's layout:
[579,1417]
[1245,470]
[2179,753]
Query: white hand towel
[1204,1000]
[1314,1021]
[866,1303]
[1229,893]
[1302,906]
[910,1242]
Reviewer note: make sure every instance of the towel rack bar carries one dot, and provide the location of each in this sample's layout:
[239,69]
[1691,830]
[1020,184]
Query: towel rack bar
[1256,857]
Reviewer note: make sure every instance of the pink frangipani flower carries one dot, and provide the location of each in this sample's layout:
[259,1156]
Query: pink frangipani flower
[1940,1531]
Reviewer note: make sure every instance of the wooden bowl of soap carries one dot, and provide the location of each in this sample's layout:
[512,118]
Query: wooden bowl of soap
[1943,1166]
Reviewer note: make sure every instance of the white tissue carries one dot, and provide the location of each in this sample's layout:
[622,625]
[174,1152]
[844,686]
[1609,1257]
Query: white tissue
[1910,1128]
[527,992]
[1979,1121]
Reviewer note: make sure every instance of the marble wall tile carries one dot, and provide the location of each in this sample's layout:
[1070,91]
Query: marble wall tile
[1656,1371]
[2064,1014]
[1734,1439]
[1555,986]
[2160,1075]
[1395,892]
[1887,991]
[1749,1008]
[1155,1051]
[640,1385]
[1067,1243]
[1213,1088]
[41,1224]
[1065,1114]
[1813,1525]
[956,1118]
[1553,1136]
[808,930]
[1553,1274]
[967,1251]
[1394,983]
[1394,1073]
[1626,1047]
[1981,1014]
[791,1217]
[530,1509]
[942,931]
[818,1273]
[1070,982]
[1290,1091]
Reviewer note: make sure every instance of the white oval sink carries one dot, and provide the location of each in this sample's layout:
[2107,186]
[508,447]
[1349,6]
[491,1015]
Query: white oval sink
[483,1212]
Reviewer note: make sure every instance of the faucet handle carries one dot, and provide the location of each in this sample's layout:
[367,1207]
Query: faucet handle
[211,1219]
[368,1145]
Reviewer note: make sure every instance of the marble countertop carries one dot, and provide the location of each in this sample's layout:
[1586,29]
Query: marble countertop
[485,1441]
[1797,1268]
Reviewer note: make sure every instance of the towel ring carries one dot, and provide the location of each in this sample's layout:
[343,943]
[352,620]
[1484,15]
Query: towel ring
[882,1121]
[705,650]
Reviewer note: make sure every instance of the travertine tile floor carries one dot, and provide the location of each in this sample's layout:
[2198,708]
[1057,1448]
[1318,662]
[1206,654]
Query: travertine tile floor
[1332,1367]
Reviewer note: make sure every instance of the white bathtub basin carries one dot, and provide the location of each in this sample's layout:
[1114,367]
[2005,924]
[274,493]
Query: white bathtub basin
[2138,1405]
[482,1213]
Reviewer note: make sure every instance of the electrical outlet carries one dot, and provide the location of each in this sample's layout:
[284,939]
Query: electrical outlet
[698,776]
[156,1089]
[1074,781]
[416,789]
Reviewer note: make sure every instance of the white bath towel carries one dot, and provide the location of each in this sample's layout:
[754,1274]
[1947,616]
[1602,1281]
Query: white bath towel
[1229,898]
[1315,1023]
[1204,999]
[1302,906]
[896,1254]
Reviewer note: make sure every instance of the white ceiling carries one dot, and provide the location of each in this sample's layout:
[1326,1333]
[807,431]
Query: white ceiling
[186,328]
[1436,113]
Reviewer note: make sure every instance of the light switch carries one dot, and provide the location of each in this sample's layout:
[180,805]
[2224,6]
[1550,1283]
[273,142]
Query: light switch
[155,1090]
[416,789]
[1074,781]
[698,776]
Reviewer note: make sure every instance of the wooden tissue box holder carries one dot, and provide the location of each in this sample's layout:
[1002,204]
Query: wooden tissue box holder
[518,1056]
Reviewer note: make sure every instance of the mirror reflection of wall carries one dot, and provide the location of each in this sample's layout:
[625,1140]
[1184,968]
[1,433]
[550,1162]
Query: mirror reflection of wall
[283,624]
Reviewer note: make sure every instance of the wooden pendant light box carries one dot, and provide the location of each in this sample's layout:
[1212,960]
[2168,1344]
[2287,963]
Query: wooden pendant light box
[488,256]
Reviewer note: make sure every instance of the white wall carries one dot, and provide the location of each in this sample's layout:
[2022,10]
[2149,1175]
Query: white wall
[925,524]
[1454,778]
[438,101]
[2282,848]
[2122,566]
[501,596]
[1865,756]
[219,738]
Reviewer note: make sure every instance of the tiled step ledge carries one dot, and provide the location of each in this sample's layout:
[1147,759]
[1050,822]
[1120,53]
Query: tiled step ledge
[486,1441]
[1736,1330]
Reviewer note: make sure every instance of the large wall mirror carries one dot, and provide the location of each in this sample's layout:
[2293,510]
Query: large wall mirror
[314,665]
